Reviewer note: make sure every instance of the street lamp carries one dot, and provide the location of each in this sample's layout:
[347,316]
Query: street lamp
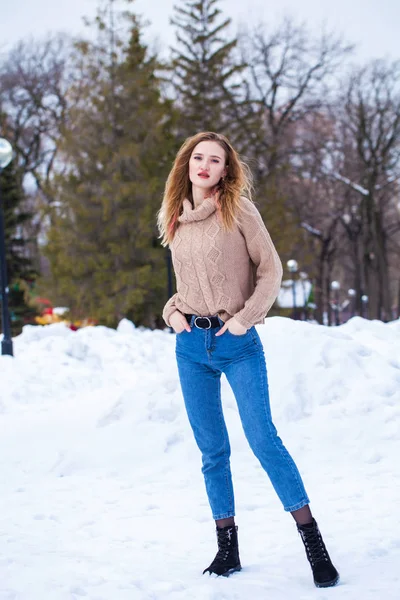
[352,294]
[293,266]
[335,287]
[364,300]
[303,278]
[6,153]
[346,218]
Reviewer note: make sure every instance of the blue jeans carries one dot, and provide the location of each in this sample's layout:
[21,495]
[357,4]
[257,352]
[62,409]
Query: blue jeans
[201,359]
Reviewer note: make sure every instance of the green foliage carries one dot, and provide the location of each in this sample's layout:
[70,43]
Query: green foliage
[205,70]
[105,259]
[19,266]
[21,312]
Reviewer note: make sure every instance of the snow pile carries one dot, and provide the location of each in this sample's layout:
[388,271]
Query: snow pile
[101,491]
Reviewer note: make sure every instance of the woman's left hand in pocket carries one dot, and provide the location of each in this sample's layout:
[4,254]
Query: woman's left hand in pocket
[233,326]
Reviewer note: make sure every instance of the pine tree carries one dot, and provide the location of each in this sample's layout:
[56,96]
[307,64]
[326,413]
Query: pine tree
[20,271]
[206,73]
[105,258]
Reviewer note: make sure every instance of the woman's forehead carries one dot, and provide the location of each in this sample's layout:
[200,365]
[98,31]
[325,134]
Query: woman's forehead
[209,148]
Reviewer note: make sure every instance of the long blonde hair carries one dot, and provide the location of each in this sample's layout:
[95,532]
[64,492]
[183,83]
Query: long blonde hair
[236,183]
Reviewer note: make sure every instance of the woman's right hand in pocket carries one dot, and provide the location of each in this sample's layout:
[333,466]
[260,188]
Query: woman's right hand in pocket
[178,322]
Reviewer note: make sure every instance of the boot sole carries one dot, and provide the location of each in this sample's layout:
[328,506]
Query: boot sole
[328,583]
[226,574]
[233,570]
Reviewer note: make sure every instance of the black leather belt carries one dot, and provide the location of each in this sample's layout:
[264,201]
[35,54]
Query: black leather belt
[203,322]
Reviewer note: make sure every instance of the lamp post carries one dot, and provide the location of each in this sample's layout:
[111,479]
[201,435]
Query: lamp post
[293,266]
[6,154]
[335,287]
[364,301]
[303,278]
[352,294]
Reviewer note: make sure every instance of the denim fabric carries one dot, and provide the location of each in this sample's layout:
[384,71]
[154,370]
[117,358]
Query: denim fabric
[202,358]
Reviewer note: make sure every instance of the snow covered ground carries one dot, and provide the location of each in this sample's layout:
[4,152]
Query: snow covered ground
[101,494]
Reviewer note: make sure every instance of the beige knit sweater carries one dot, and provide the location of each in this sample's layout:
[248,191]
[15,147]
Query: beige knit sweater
[227,273]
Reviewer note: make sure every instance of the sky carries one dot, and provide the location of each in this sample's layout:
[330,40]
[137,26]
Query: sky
[373,26]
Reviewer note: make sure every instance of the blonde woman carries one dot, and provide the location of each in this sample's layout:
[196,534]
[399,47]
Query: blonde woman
[228,275]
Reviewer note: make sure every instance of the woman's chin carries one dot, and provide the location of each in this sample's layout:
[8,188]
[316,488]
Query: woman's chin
[205,186]
[202,183]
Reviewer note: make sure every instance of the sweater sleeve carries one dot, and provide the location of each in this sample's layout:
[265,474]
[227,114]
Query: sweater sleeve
[267,262]
[169,308]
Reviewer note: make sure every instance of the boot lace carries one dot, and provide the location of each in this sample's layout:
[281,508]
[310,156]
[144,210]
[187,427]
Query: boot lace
[224,545]
[315,547]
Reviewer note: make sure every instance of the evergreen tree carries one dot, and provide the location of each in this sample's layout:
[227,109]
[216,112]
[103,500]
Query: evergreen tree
[20,272]
[206,74]
[105,258]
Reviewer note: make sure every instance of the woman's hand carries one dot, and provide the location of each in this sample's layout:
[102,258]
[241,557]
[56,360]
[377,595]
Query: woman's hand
[178,322]
[233,326]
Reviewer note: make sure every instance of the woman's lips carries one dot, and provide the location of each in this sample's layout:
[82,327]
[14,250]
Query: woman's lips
[204,176]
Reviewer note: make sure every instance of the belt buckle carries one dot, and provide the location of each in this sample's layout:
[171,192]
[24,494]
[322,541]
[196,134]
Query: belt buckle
[204,318]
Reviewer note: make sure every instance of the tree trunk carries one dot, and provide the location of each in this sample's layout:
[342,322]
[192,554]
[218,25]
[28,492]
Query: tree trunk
[319,291]
[369,272]
[358,283]
[382,268]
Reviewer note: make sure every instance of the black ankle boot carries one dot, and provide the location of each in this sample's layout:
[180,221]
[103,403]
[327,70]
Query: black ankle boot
[227,558]
[325,574]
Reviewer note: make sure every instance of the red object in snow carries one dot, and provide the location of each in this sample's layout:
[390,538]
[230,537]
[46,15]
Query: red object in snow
[48,311]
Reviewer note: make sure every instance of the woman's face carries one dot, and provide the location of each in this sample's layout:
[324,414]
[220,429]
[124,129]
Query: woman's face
[207,164]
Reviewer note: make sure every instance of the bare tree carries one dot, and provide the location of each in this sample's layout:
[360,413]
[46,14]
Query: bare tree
[289,73]
[318,209]
[348,183]
[369,141]
[34,80]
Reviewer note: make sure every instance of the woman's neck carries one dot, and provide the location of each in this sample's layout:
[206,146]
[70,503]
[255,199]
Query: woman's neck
[198,195]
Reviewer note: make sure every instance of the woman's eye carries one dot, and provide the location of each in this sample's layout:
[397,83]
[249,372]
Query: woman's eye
[196,157]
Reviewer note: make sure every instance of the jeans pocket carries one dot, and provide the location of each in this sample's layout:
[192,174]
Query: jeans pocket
[237,335]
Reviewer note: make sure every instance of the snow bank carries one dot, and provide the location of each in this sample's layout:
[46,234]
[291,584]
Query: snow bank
[102,495]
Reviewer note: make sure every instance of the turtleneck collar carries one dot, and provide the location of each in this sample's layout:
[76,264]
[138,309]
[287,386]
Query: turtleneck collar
[204,210]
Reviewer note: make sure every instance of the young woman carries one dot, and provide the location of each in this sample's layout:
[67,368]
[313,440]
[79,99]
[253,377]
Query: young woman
[228,275]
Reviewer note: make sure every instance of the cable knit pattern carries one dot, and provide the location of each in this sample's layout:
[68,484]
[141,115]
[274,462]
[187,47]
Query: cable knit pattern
[227,273]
